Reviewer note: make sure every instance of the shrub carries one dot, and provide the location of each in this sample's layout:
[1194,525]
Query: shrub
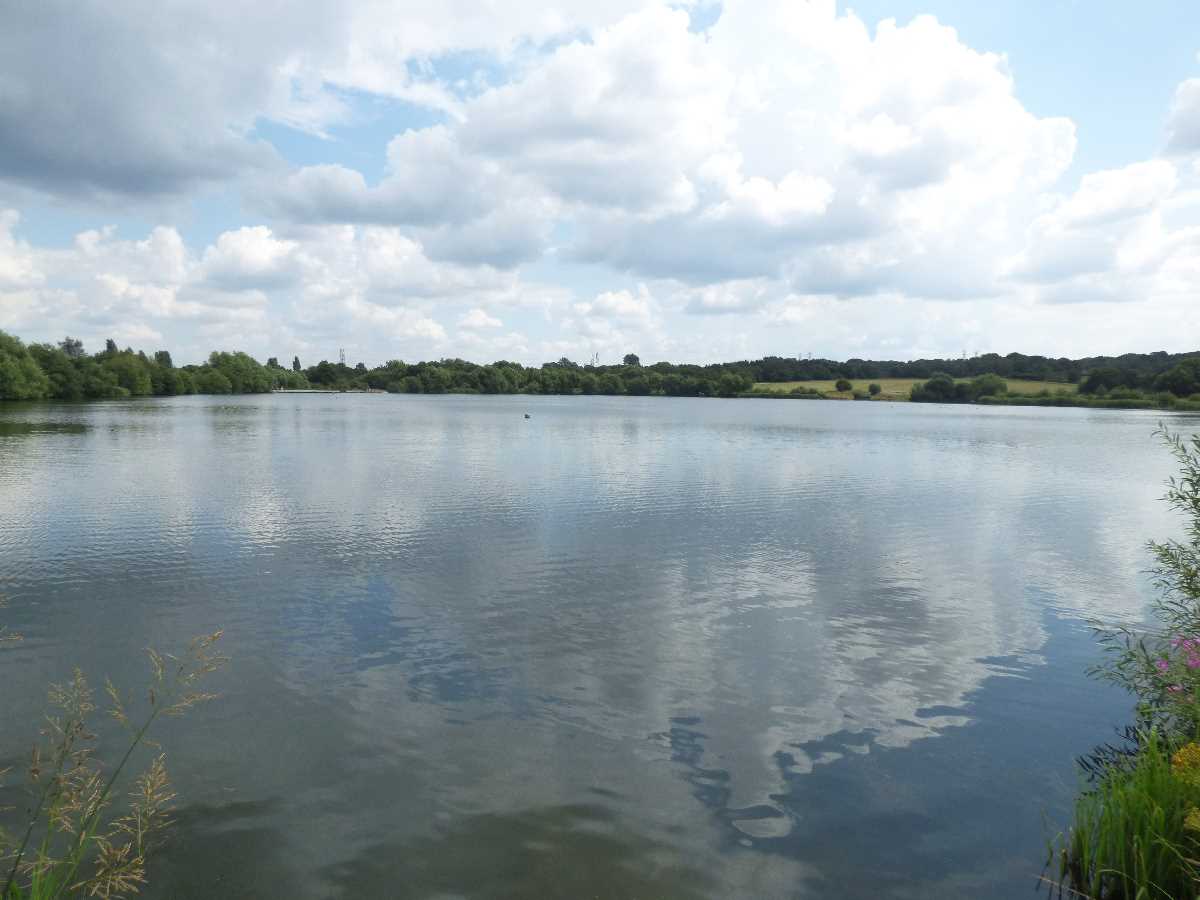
[874,389]
[939,388]
[988,386]
[843,385]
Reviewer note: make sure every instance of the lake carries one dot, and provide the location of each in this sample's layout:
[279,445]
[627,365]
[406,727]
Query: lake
[627,647]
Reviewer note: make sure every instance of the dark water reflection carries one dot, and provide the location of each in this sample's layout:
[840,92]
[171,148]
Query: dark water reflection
[625,648]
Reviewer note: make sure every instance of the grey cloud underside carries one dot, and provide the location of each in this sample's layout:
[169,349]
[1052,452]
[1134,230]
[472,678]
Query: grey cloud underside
[1087,291]
[1183,127]
[500,240]
[1067,257]
[39,157]
[922,164]
[699,249]
[234,281]
[139,103]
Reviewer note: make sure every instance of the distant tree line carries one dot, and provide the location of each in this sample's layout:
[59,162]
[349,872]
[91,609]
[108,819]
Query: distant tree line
[1182,379]
[1139,368]
[562,377]
[1176,388]
[67,371]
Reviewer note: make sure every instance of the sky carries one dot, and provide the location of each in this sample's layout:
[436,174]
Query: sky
[693,182]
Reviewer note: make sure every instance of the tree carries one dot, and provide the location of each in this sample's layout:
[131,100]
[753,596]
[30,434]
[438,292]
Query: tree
[938,389]
[631,359]
[295,363]
[1103,380]
[64,373]
[273,362]
[21,378]
[99,383]
[638,385]
[163,358]
[611,384]
[71,347]
[133,373]
[110,346]
[843,385]
[1183,380]
[987,386]
[210,381]
[874,389]
[244,373]
[729,385]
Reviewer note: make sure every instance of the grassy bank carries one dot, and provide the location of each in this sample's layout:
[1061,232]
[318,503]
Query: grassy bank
[898,388]
[1019,392]
[1167,402]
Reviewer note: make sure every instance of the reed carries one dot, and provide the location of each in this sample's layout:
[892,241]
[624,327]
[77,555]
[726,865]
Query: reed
[1135,833]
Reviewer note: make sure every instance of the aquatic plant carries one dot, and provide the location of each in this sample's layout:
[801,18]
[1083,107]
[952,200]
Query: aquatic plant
[73,843]
[1136,830]
[1135,834]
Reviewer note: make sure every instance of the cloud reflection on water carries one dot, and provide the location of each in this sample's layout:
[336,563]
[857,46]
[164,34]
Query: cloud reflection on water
[684,605]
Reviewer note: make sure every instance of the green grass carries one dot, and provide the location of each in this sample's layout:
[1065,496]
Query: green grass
[1129,838]
[899,388]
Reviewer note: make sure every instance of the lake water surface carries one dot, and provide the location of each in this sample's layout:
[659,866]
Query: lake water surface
[654,648]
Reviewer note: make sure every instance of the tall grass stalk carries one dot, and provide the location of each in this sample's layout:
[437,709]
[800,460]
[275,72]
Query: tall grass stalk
[69,846]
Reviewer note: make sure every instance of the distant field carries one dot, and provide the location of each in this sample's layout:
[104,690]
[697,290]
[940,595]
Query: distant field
[899,388]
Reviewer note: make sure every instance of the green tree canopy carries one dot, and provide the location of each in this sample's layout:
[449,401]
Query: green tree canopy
[21,378]
[71,347]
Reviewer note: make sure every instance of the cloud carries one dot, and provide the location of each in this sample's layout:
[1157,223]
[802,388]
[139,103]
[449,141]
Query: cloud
[621,306]
[784,142]
[147,101]
[913,153]
[368,287]
[250,257]
[429,181]
[1183,122]
[598,177]
[18,268]
[476,319]
[1124,235]
[1106,197]
[728,298]
[133,102]
[462,208]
